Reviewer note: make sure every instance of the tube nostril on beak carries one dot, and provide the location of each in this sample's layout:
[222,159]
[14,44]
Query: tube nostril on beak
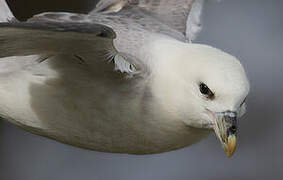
[233,129]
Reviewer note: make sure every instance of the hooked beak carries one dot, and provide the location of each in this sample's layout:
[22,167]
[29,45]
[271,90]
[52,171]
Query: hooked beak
[225,128]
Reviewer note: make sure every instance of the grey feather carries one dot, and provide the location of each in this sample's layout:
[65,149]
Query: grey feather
[136,22]
[52,38]
[176,13]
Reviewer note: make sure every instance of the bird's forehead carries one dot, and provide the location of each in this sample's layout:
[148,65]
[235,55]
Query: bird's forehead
[228,83]
[220,71]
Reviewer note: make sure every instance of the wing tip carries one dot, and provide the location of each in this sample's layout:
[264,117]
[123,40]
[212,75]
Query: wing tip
[6,14]
[194,25]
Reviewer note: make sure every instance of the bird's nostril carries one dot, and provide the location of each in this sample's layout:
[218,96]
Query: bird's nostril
[233,129]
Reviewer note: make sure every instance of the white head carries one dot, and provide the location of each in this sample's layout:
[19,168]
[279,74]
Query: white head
[202,86]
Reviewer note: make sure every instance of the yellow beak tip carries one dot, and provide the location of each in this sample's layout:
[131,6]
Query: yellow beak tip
[230,147]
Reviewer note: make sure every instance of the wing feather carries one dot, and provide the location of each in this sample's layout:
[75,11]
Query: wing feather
[90,42]
[181,15]
[175,13]
[5,12]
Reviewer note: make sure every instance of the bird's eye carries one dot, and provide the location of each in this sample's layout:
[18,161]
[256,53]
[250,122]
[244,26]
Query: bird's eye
[206,91]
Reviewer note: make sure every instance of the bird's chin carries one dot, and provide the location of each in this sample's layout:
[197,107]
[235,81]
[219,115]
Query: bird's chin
[204,123]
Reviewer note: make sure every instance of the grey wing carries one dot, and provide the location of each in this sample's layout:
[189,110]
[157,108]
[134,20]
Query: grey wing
[86,41]
[174,12]
[182,15]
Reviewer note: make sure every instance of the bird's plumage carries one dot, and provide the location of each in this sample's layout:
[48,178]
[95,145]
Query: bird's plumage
[116,79]
[5,12]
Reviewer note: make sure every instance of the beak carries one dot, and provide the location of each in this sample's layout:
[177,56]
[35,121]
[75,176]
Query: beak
[226,130]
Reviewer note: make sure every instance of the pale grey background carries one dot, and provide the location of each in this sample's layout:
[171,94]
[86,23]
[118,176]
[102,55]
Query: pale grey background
[250,29]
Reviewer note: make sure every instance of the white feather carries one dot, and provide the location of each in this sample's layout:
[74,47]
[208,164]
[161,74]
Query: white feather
[122,65]
[194,20]
[5,12]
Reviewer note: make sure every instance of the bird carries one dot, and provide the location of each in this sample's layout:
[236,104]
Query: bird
[124,78]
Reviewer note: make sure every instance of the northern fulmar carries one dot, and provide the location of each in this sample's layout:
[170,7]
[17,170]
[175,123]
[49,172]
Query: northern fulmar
[124,78]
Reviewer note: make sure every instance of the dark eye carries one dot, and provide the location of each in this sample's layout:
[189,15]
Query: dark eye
[206,91]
